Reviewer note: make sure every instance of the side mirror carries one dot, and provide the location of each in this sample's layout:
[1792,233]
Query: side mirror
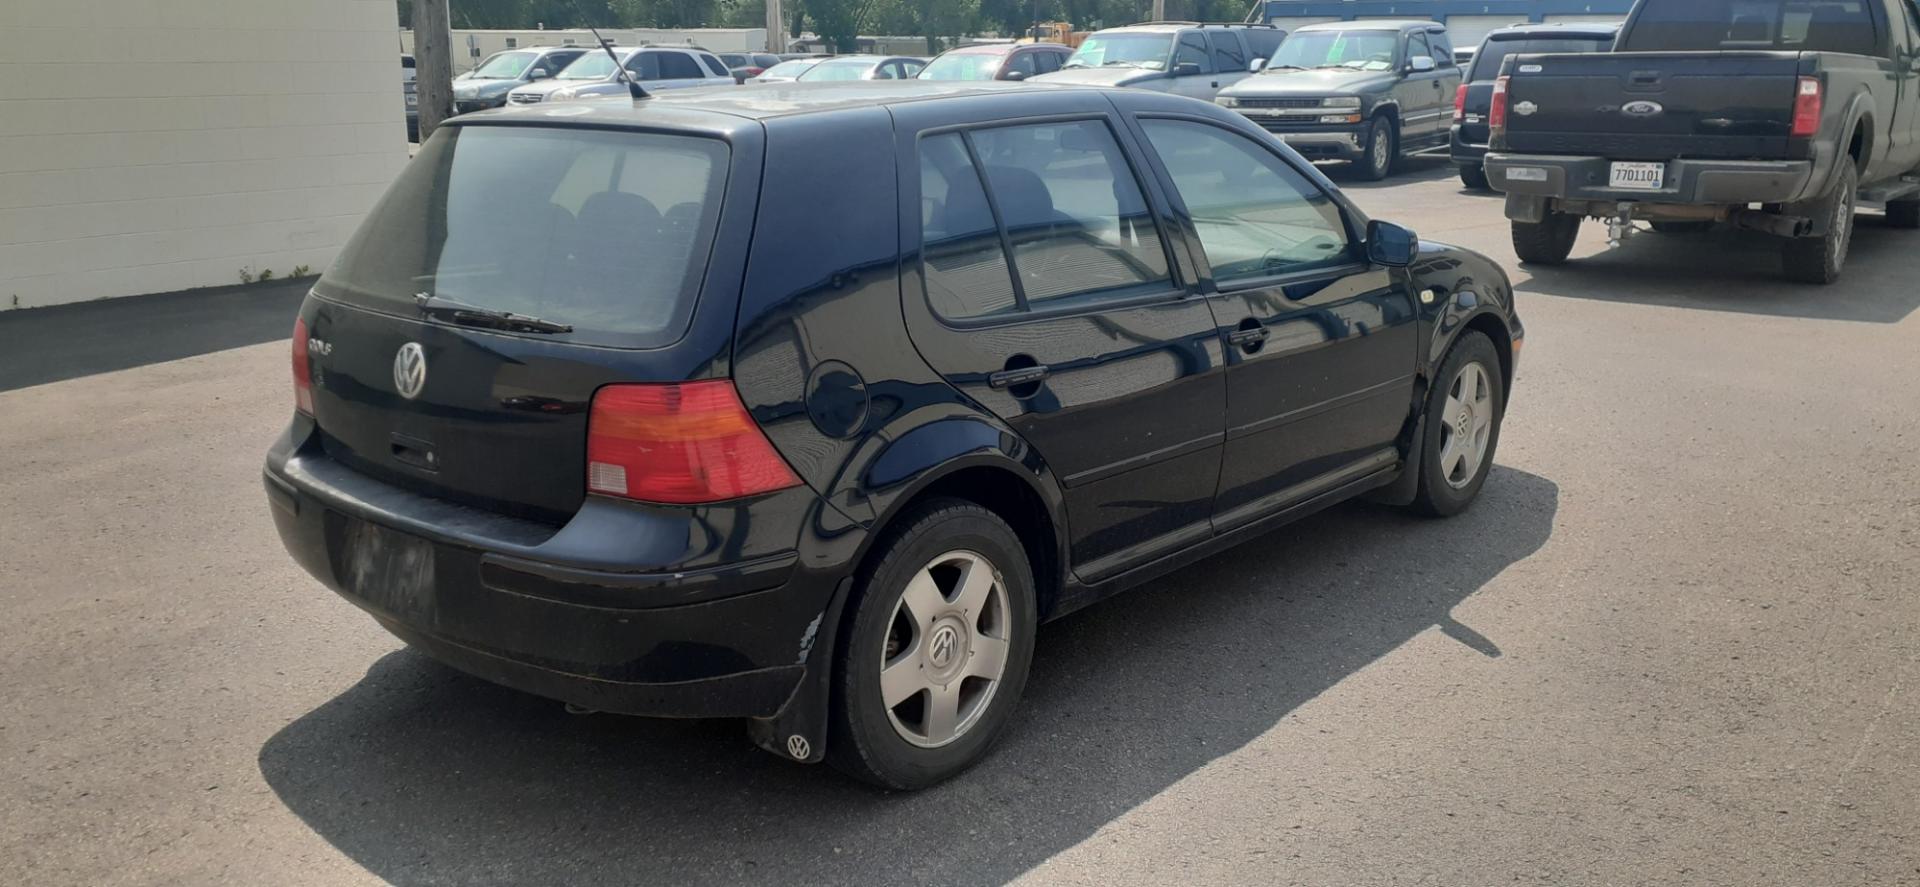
[538,74]
[1256,66]
[1391,245]
[1014,75]
[1186,69]
[1421,64]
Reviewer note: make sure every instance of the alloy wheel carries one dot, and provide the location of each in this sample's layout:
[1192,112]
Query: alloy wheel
[1466,425]
[946,649]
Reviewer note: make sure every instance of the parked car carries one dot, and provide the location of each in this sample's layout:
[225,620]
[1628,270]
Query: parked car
[863,67]
[675,408]
[787,71]
[745,65]
[1474,97]
[1463,57]
[1780,117]
[997,61]
[1368,92]
[1184,58]
[487,85]
[410,90]
[654,67]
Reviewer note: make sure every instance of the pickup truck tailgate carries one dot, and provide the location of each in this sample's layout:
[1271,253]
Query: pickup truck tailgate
[1654,105]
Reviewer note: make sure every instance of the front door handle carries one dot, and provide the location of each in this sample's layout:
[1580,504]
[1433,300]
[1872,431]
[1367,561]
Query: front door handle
[1017,377]
[1249,338]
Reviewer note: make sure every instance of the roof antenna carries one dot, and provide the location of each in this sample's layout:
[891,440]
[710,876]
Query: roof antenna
[633,87]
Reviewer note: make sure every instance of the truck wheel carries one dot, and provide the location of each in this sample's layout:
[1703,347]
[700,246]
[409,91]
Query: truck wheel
[1548,242]
[1903,213]
[1682,227]
[1475,178]
[1383,148]
[1818,260]
[937,648]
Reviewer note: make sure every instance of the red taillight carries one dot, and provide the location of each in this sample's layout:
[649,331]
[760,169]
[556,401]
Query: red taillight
[1497,115]
[1808,101]
[302,373]
[1460,103]
[681,444]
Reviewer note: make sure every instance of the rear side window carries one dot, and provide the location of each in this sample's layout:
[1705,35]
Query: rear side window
[1797,25]
[607,231]
[1064,201]
[714,66]
[1024,63]
[1486,63]
[1049,61]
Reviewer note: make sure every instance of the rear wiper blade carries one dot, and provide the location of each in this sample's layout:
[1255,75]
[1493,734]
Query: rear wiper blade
[474,315]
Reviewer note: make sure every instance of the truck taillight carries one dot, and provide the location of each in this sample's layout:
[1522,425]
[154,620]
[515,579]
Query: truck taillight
[1808,101]
[683,444]
[302,370]
[1497,114]
[1460,103]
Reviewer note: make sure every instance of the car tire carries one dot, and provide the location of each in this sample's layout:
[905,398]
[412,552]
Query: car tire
[1548,242]
[1819,260]
[1475,178]
[1903,213]
[1383,149]
[914,609]
[1465,409]
[1682,227]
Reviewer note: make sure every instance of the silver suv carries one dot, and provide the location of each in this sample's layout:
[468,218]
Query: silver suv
[1184,58]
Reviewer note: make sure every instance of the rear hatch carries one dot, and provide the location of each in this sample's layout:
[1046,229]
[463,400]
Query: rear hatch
[603,236]
[1654,106]
[1486,67]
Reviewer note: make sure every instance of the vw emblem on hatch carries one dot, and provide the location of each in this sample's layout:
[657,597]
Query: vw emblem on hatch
[1525,109]
[1643,109]
[410,370]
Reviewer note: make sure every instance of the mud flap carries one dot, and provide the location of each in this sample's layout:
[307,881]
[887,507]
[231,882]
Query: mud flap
[1526,208]
[1404,490]
[799,732]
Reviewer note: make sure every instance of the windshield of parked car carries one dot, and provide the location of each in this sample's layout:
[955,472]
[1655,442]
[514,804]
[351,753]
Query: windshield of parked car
[1123,50]
[790,68]
[609,232]
[505,65]
[840,69]
[963,66]
[592,66]
[1360,50]
[1797,25]
[1486,63]
[735,59]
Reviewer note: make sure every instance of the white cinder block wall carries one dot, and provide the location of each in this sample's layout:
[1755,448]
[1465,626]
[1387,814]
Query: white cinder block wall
[156,145]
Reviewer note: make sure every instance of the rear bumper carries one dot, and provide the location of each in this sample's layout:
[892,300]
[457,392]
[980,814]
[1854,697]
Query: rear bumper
[1691,182]
[1465,152]
[470,589]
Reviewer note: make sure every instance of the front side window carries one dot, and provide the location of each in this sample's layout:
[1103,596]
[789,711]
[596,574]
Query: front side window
[505,66]
[1418,46]
[1360,49]
[1148,51]
[591,66]
[678,66]
[1257,217]
[1442,47]
[714,66]
[1068,206]
[607,231]
[1794,25]
[1023,63]
[1049,62]
[1192,51]
[962,66]
[1227,54]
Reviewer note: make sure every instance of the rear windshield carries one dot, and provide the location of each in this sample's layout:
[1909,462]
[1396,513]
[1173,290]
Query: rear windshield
[1800,25]
[609,232]
[963,66]
[1486,63]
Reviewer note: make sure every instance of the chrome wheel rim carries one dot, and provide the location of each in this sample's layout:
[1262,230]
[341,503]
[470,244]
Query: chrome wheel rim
[1466,426]
[945,650]
[1380,151]
[1843,229]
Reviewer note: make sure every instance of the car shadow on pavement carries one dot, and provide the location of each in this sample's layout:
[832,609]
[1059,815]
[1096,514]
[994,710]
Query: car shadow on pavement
[1417,168]
[44,345]
[1730,270]
[426,776]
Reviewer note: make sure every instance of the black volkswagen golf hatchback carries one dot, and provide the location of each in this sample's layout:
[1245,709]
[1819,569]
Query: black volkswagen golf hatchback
[807,404]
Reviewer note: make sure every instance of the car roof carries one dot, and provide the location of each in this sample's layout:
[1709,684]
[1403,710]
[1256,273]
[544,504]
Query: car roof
[1374,25]
[1002,48]
[1556,29]
[762,101]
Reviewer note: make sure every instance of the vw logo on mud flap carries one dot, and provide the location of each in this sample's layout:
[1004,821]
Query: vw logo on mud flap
[410,370]
[941,650]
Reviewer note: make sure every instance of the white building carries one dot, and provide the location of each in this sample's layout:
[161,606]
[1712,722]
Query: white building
[177,144]
[470,47]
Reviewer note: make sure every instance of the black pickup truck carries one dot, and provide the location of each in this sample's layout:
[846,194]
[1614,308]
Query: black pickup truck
[1781,116]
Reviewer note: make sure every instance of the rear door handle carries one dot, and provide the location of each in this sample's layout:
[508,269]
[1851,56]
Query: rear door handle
[1016,378]
[1248,338]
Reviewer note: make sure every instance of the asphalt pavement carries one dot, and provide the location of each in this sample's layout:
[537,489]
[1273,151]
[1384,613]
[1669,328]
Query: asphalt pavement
[1675,642]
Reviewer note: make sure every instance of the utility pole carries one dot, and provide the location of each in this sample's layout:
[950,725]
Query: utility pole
[776,28]
[432,63]
[1159,12]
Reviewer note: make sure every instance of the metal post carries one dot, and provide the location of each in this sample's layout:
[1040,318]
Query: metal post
[433,63]
[776,28]
[1159,11]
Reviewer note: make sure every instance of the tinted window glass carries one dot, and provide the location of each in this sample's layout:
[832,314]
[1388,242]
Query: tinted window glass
[961,258]
[1073,211]
[644,66]
[1801,25]
[1417,46]
[734,59]
[1049,61]
[1442,48]
[1262,42]
[1486,64]
[677,66]
[1192,49]
[714,66]
[609,232]
[1227,54]
[1023,62]
[1256,215]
